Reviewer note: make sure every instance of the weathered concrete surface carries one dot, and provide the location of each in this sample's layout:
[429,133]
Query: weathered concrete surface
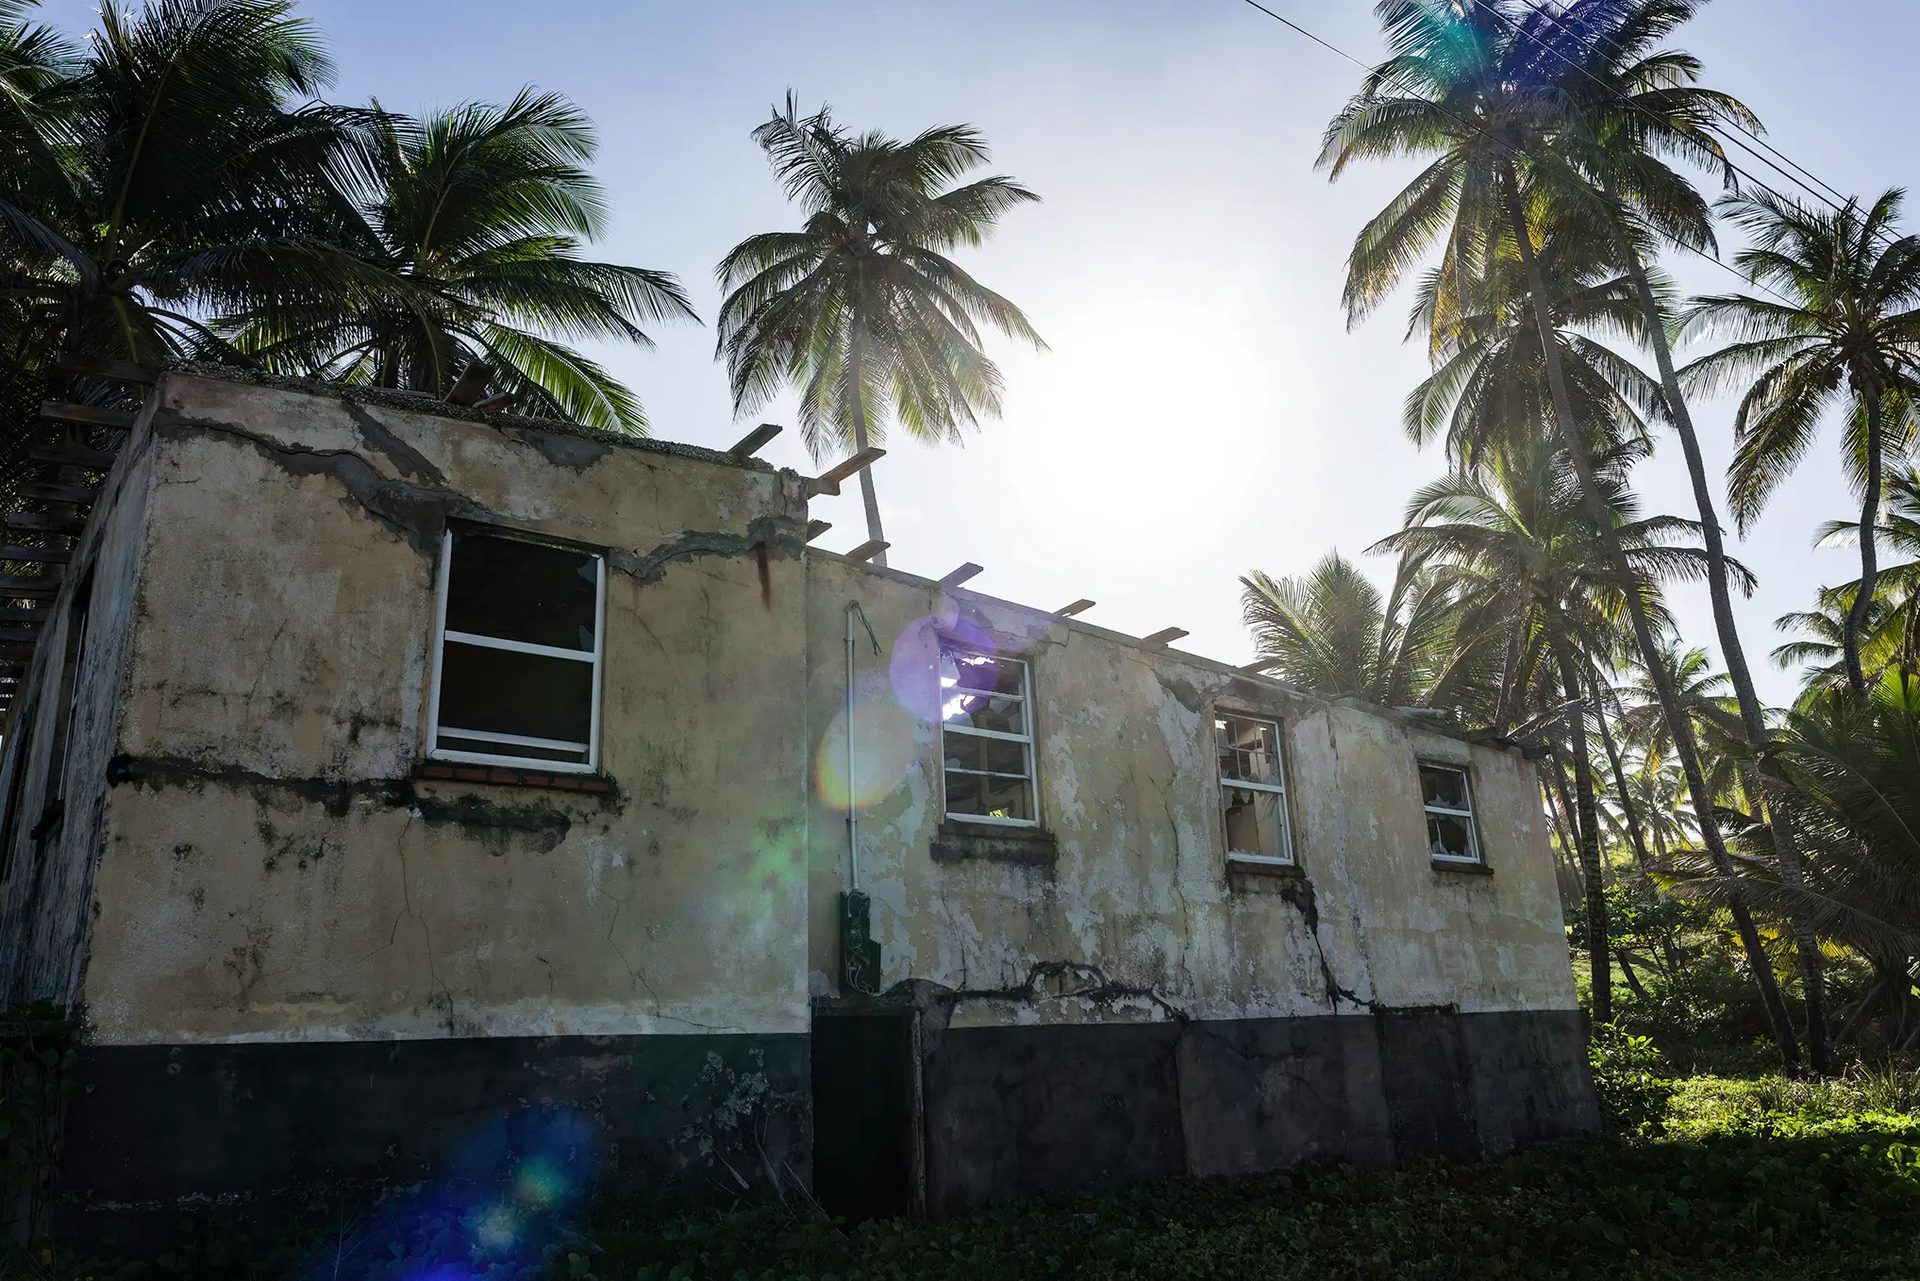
[1138,887]
[271,869]
[155,1128]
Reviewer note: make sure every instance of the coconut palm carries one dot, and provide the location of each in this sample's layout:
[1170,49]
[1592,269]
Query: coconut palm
[1529,562]
[1817,649]
[1640,106]
[1331,631]
[178,168]
[1476,88]
[469,225]
[1846,338]
[861,308]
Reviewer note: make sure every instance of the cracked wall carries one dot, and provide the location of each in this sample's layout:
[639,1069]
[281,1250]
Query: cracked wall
[271,868]
[1137,918]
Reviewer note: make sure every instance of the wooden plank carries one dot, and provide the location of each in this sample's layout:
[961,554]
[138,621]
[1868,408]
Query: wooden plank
[35,555]
[960,575]
[1080,606]
[61,493]
[33,617]
[815,528]
[29,587]
[754,441]
[22,635]
[42,523]
[73,456]
[868,550]
[73,362]
[828,481]
[1165,636]
[87,415]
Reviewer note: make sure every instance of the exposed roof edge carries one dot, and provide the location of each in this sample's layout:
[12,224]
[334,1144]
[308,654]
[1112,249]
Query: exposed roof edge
[421,403]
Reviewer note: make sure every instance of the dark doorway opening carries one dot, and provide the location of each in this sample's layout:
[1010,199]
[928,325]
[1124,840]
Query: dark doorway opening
[863,1114]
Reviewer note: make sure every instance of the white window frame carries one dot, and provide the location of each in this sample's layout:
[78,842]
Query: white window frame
[1465,815]
[1026,705]
[1289,859]
[441,635]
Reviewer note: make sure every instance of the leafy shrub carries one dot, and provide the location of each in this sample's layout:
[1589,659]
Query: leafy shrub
[1630,1078]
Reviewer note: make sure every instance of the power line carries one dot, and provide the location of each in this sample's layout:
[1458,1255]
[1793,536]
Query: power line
[1512,152]
[1756,146]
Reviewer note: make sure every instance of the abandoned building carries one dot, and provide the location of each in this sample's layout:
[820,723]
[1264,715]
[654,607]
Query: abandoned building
[383,765]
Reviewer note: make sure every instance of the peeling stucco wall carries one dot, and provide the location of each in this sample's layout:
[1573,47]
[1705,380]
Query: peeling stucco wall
[273,870]
[1138,917]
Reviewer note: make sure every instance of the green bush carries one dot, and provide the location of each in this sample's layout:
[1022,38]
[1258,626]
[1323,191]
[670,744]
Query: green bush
[1630,1079]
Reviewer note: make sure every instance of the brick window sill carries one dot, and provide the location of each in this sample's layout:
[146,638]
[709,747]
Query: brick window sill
[983,843]
[512,776]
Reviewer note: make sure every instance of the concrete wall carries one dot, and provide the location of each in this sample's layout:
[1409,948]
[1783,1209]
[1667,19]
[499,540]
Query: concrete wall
[1138,916]
[274,870]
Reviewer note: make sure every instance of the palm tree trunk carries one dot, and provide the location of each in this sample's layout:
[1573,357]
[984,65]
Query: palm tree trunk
[1628,810]
[1753,717]
[1685,745]
[1599,959]
[1561,812]
[868,499]
[1869,550]
[1509,680]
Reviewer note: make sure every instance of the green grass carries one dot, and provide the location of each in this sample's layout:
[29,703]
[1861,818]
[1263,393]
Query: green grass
[1761,1178]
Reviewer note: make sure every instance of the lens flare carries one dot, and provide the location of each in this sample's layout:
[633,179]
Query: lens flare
[917,672]
[882,747]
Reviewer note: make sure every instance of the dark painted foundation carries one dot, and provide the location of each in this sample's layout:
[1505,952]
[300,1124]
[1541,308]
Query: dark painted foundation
[1018,1111]
[156,1135]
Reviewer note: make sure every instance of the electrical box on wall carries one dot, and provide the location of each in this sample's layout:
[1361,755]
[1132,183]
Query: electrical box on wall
[859,954]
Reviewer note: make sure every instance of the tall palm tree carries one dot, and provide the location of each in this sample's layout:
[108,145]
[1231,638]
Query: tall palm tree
[1817,649]
[1473,87]
[1847,337]
[1331,631]
[1530,562]
[861,308]
[1639,107]
[469,224]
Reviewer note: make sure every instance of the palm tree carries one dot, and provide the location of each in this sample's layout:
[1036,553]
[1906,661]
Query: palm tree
[1845,337]
[1817,651]
[861,309]
[1470,86]
[171,173]
[469,224]
[1529,562]
[1639,107]
[1330,631]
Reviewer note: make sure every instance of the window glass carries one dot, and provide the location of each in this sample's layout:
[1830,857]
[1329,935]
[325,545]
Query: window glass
[986,737]
[511,589]
[1447,795]
[516,678]
[1253,794]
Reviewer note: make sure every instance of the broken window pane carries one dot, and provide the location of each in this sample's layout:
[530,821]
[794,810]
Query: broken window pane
[986,736]
[511,589]
[1255,822]
[1448,798]
[1445,788]
[1448,836]
[1249,749]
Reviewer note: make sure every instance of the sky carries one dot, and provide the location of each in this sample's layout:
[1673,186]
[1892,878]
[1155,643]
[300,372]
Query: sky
[1202,409]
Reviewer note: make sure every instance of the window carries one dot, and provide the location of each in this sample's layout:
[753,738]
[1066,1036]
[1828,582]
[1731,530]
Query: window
[516,680]
[1253,790]
[1448,796]
[986,737]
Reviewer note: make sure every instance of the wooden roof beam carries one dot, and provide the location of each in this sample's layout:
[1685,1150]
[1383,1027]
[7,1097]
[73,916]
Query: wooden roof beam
[1080,606]
[754,441]
[958,576]
[828,481]
[1164,637]
[868,550]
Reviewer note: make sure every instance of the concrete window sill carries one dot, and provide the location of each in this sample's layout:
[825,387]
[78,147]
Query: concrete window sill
[982,843]
[1283,871]
[1464,869]
[506,776]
